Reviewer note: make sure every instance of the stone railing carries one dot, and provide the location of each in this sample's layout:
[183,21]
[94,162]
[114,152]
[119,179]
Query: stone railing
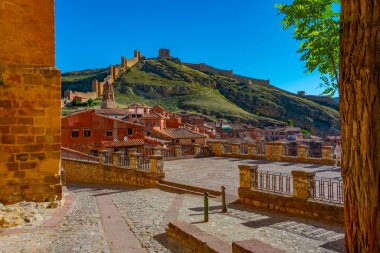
[76,155]
[273,151]
[180,152]
[300,200]
[115,171]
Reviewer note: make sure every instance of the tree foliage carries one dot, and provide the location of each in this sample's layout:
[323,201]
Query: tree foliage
[316,26]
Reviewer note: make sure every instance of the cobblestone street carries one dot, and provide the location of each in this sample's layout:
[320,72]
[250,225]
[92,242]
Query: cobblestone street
[213,172]
[146,213]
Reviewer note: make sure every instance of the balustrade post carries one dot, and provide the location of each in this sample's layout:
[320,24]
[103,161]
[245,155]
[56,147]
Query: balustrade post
[131,151]
[274,151]
[157,151]
[156,164]
[252,149]
[235,148]
[327,153]
[102,156]
[302,152]
[216,148]
[303,182]
[134,160]
[197,149]
[116,158]
[248,176]
[178,150]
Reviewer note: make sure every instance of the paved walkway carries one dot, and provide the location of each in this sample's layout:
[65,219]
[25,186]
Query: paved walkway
[113,220]
[91,221]
[119,236]
[212,173]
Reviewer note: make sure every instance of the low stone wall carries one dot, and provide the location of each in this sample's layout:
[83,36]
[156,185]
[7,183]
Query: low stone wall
[87,172]
[274,151]
[299,203]
[253,246]
[202,242]
[196,239]
[292,205]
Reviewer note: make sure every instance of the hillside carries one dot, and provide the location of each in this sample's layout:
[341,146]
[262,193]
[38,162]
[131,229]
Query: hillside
[179,88]
[81,80]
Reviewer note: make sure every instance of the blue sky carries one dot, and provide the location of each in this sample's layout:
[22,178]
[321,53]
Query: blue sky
[242,35]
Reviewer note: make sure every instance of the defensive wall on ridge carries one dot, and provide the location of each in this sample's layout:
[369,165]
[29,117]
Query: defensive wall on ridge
[229,73]
[115,72]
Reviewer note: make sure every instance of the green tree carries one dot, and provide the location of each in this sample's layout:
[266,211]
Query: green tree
[290,122]
[359,93]
[305,132]
[91,102]
[316,25]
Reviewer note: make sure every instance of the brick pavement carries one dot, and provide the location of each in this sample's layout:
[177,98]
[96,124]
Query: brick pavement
[213,172]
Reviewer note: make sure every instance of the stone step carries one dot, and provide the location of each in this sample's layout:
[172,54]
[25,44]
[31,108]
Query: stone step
[192,188]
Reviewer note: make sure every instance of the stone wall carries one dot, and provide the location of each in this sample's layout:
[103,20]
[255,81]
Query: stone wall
[206,68]
[86,172]
[29,103]
[115,72]
[70,95]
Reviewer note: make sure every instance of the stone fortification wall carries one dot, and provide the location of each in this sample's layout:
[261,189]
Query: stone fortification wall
[115,72]
[229,73]
[249,81]
[70,95]
[29,103]
[206,68]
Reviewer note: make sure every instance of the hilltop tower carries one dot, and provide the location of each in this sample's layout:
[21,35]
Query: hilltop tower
[164,53]
[137,54]
[108,98]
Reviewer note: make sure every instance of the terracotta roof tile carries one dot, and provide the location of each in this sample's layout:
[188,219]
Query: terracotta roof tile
[181,133]
[128,143]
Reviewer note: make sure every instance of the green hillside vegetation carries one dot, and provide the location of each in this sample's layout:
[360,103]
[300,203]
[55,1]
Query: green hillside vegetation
[182,89]
[82,80]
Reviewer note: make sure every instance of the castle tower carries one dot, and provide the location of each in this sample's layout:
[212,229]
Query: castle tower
[123,62]
[164,53]
[95,87]
[108,97]
[111,71]
[137,54]
[114,73]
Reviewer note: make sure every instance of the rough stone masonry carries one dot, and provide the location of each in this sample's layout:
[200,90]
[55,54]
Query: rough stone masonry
[29,102]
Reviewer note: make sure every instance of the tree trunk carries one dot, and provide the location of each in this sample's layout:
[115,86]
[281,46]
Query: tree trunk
[359,90]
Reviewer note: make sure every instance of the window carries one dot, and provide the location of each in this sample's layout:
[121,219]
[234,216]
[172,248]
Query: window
[156,124]
[74,133]
[129,131]
[109,133]
[148,124]
[177,141]
[87,132]
[192,141]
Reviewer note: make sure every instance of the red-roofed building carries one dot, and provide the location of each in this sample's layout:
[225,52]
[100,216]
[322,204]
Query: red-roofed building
[86,130]
[180,136]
